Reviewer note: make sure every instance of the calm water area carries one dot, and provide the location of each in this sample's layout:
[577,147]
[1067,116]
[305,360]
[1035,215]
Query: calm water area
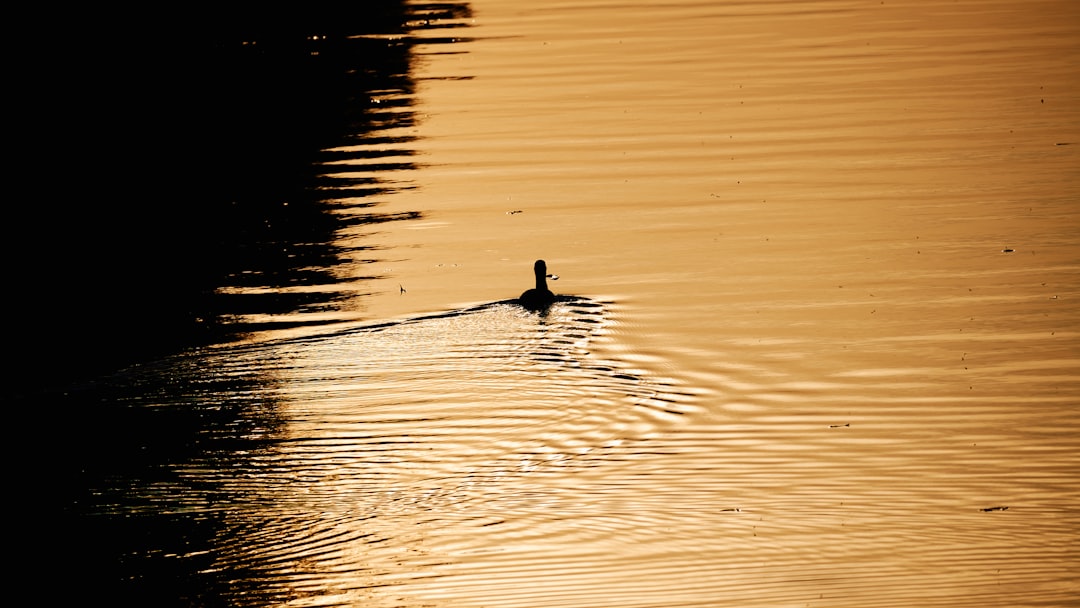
[819,344]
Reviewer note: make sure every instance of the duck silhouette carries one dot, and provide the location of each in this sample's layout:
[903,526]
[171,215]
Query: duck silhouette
[540,297]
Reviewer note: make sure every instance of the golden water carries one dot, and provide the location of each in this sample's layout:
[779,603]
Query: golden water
[827,261]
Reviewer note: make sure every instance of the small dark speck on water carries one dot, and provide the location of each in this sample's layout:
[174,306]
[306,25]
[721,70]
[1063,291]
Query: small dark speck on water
[1007,250]
[988,509]
[839,426]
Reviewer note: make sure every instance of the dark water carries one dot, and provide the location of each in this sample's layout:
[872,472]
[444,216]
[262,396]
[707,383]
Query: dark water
[179,160]
[176,194]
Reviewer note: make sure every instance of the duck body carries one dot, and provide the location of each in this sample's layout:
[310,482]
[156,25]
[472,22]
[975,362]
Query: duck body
[539,297]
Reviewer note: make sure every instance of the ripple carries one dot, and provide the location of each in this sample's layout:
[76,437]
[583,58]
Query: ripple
[465,430]
[463,454]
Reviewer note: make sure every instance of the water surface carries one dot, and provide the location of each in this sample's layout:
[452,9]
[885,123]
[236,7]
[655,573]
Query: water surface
[822,349]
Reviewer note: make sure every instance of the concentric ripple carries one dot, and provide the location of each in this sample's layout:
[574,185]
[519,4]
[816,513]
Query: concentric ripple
[403,442]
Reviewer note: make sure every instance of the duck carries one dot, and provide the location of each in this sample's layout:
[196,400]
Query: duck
[540,297]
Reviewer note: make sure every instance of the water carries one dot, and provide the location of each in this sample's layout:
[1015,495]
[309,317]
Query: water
[820,346]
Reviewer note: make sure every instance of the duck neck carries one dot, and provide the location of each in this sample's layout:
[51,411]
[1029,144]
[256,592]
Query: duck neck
[541,280]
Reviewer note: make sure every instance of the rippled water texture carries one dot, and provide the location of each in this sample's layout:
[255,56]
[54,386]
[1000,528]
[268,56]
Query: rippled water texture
[819,345]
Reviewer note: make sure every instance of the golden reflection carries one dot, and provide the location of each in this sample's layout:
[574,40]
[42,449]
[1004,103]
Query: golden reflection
[804,212]
[796,366]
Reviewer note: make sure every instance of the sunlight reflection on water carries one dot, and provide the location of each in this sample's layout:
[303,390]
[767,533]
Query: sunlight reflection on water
[821,379]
